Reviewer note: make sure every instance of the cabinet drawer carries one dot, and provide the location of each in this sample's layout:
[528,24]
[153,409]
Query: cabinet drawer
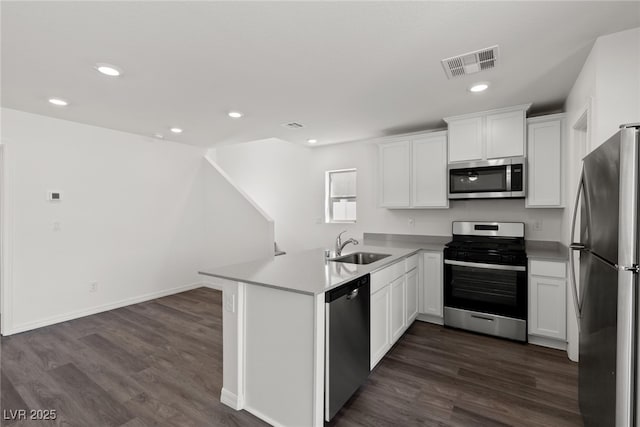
[548,268]
[382,278]
[411,263]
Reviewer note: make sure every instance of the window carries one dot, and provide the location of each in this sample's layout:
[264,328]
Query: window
[340,198]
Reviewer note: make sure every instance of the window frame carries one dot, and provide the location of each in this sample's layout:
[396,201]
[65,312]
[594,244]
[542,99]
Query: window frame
[328,200]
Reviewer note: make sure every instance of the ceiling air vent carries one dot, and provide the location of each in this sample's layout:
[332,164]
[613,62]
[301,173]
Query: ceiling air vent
[472,62]
[293,125]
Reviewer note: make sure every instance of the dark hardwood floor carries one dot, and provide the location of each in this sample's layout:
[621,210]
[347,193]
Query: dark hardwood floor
[443,377]
[159,363]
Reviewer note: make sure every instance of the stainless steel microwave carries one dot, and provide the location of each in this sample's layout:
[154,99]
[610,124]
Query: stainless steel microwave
[488,179]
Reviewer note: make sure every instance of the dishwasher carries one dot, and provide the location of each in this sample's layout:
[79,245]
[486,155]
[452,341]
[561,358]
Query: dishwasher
[347,342]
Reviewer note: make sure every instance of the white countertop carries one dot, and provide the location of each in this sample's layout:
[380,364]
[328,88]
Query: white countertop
[547,250]
[308,272]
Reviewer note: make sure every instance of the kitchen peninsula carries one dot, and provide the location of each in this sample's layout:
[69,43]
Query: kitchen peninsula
[274,330]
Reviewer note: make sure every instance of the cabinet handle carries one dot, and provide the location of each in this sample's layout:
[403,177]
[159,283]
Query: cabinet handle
[482,317]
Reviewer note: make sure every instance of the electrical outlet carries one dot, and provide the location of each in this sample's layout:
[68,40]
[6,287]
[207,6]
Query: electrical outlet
[411,222]
[537,225]
[93,287]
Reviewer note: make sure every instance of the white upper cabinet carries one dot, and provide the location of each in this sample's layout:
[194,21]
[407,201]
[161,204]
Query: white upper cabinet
[544,156]
[488,134]
[429,172]
[395,174]
[413,172]
[466,135]
[505,134]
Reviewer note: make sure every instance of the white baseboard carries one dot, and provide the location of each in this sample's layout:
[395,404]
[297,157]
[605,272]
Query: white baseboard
[212,285]
[548,342]
[430,318]
[263,417]
[230,399]
[101,308]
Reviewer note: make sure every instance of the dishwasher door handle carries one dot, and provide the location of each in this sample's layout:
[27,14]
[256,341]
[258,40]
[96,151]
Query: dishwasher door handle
[353,294]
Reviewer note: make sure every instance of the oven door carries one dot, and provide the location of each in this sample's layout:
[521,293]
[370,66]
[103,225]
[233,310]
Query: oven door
[486,288]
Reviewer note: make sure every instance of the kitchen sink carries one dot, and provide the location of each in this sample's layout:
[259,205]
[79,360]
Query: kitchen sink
[360,258]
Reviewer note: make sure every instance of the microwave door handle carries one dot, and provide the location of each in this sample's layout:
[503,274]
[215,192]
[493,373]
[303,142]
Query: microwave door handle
[508,178]
[576,247]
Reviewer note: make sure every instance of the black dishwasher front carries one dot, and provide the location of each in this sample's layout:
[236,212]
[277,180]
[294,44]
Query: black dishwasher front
[347,342]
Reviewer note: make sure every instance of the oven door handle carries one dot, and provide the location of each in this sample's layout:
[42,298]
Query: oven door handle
[488,266]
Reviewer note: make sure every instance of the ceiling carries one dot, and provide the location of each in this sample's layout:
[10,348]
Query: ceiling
[345,70]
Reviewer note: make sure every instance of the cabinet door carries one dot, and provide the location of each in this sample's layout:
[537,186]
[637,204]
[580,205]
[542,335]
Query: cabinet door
[429,189]
[412,296]
[398,308]
[547,307]
[380,324]
[505,134]
[432,284]
[465,139]
[545,164]
[394,179]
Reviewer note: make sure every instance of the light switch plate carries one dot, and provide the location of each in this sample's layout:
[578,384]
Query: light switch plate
[230,302]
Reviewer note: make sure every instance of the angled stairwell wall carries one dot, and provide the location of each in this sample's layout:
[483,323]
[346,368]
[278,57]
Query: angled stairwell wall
[236,228]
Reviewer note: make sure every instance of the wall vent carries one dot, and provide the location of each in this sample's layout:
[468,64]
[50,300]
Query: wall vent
[293,125]
[472,62]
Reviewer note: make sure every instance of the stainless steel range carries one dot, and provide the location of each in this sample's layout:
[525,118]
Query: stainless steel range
[485,279]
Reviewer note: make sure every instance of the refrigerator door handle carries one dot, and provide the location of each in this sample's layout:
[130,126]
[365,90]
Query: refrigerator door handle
[576,247]
[634,268]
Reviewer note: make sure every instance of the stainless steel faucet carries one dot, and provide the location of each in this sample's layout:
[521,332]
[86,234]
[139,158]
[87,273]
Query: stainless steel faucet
[340,245]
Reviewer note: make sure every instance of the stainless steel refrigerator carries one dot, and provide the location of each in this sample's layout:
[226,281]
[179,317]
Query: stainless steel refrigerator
[606,303]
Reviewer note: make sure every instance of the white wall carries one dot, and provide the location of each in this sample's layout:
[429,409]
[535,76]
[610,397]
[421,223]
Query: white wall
[234,230]
[617,83]
[277,176]
[288,182]
[610,82]
[134,218]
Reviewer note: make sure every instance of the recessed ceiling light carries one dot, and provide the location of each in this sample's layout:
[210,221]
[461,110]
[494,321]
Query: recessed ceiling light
[479,87]
[158,135]
[235,114]
[59,102]
[176,130]
[312,141]
[108,70]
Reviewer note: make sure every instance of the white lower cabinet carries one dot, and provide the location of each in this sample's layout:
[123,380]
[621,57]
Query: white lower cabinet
[547,303]
[398,308]
[394,291]
[431,289]
[380,324]
[412,295]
